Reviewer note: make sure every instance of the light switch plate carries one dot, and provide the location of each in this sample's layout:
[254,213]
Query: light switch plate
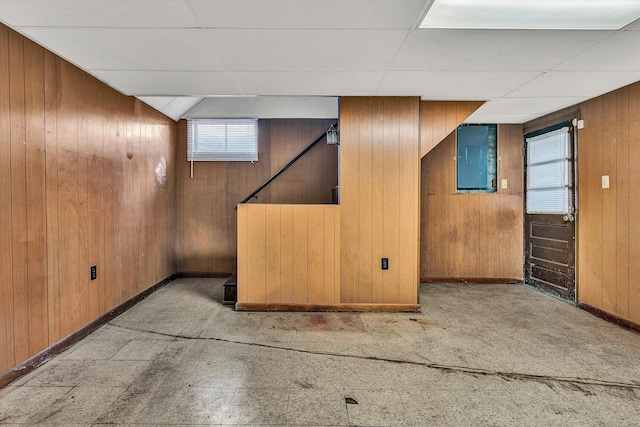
[605,181]
[503,184]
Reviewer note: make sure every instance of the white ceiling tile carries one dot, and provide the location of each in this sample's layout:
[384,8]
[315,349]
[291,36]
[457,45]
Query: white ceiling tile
[362,14]
[510,118]
[267,107]
[309,83]
[172,106]
[453,85]
[180,105]
[157,102]
[307,50]
[527,105]
[325,48]
[619,52]
[96,13]
[575,84]
[130,48]
[491,50]
[170,83]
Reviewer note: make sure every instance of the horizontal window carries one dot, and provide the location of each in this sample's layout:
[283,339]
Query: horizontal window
[222,140]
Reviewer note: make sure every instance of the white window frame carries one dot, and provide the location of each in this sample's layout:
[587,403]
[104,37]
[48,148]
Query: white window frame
[227,140]
[562,137]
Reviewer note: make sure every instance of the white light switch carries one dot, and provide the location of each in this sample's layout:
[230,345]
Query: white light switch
[605,181]
[503,184]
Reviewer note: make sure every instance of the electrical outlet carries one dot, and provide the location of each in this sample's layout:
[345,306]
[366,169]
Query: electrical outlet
[94,272]
[605,181]
[385,263]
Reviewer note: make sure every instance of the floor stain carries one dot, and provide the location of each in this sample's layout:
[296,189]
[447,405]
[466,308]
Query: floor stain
[304,384]
[318,320]
[422,323]
[574,383]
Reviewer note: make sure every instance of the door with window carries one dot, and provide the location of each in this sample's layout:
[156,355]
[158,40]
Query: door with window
[550,209]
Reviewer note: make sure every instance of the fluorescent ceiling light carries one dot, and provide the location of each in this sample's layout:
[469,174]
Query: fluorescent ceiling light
[532,14]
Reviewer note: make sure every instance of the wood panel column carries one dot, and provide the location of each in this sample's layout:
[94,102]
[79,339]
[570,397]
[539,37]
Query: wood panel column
[379,198]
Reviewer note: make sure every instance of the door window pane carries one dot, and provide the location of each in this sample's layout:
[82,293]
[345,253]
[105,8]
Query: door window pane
[548,181]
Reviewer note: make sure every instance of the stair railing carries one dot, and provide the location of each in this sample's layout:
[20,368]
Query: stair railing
[287,166]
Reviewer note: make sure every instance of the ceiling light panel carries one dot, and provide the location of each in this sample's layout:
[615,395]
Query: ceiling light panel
[532,14]
[634,26]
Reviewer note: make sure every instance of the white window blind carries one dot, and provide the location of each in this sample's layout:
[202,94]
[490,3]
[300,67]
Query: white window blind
[222,140]
[548,172]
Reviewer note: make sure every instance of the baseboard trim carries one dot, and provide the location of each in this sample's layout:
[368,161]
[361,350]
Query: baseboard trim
[394,308]
[623,323]
[472,280]
[202,275]
[48,353]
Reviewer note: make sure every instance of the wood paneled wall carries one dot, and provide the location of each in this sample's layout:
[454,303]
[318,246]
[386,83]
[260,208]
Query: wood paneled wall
[471,236]
[379,199]
[288,254]
[86,177]
[311,179]
[379,214]
[206,204]
[608,227]
[438,119]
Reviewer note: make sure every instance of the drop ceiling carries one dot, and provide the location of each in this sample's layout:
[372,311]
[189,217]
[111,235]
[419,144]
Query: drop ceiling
[202,56]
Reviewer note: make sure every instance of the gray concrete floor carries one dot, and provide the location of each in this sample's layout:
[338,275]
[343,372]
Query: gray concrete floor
[476,355]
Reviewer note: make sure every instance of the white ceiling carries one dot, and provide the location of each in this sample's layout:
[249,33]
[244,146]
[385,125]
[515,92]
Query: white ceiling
[176,54]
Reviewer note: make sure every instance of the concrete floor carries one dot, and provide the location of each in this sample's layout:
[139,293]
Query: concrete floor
[476,355]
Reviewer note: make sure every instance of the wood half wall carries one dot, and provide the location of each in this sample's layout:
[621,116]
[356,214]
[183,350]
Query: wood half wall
[288,254]
[86,178]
